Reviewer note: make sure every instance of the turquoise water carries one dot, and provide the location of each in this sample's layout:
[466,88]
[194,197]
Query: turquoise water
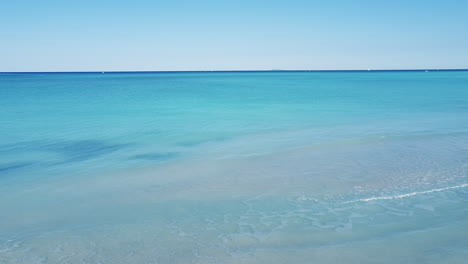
[234,167]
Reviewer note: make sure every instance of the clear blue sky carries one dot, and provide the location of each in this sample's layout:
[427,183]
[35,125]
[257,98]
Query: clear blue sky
[232,35]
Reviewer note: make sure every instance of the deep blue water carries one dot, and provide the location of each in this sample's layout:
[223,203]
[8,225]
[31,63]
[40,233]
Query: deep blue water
[234,167]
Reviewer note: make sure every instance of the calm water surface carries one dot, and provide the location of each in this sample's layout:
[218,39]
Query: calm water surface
[253,167]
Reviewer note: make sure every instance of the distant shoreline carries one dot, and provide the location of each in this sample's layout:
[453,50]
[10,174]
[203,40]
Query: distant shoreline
[242,71]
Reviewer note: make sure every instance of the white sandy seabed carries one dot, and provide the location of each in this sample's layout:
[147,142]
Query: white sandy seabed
[376,201]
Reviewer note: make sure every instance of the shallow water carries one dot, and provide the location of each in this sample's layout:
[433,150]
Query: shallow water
[256,167]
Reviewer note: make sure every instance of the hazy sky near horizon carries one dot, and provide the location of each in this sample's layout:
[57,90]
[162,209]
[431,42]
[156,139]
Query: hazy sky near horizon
[232,35]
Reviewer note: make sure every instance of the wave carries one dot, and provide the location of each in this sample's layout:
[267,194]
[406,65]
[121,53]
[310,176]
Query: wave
[401,196]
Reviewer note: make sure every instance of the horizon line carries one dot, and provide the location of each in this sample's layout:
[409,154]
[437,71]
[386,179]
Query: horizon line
[226,71]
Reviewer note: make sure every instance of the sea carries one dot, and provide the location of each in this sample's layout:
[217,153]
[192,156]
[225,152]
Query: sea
[253,167]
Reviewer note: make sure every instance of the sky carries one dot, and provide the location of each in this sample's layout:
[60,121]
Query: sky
[175,35]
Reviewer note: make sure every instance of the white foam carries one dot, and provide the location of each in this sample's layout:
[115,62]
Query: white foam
[401,196]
